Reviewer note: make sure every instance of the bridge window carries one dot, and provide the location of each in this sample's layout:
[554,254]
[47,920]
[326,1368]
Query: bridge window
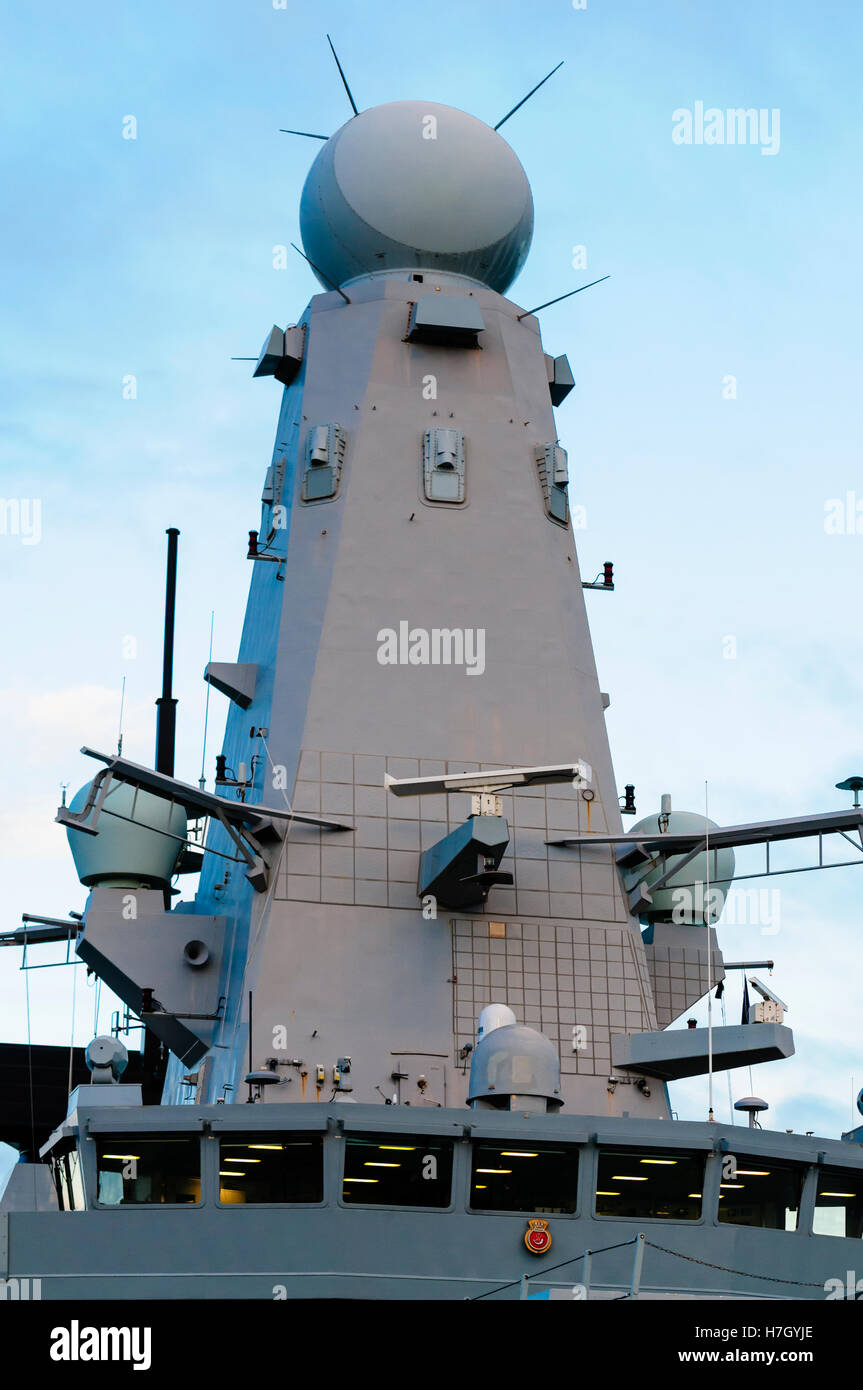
[136,1171]
[66,1171]
[397,1170]
[659,1183]
[525,1177]
[759,1192]
[270,1168]
[839,1203]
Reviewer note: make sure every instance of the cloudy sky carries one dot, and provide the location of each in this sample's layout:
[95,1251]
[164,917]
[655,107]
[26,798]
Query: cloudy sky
[714,425]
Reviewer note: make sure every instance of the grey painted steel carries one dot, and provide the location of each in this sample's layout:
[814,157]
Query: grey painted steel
[683,1052]
[171,1252]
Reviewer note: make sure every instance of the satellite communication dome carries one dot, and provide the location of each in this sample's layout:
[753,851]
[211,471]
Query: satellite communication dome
[684,898]
[416,185]
[138,841]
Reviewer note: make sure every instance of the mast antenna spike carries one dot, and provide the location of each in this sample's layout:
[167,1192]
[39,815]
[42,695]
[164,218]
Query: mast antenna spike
[528,97]
[342,76]
[308,133]
[548,303]
[318,271]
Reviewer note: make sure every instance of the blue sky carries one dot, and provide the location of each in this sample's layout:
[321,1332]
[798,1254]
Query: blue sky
[152,258]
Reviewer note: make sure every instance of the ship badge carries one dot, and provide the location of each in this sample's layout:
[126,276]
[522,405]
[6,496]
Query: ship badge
[537,1237]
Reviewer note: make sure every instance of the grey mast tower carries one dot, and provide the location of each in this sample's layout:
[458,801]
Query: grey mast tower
[416,610]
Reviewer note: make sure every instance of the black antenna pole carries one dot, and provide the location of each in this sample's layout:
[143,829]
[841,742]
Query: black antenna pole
[251,1063]
[342,76]
[549,302]
[310,134]
[318,271]
[528,97]
[166,705]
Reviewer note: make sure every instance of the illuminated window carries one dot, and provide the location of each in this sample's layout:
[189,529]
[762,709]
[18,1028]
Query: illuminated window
[135,1171]
[839,1203]
[656,1183]
[270,1167]
[759,1192]
[399,1171]
[524,1177]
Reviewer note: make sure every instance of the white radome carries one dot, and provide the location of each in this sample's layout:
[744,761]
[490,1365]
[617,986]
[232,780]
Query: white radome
[414,185]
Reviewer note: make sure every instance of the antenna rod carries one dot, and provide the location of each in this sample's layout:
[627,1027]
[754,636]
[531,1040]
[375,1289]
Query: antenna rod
[310,134]
[166,705]
[202,780]
[527,98]
[318,271]
[549,302]
[120,730]
[342,76]
[709,965]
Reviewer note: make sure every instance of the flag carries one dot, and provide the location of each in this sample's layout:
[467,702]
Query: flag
[745,1015]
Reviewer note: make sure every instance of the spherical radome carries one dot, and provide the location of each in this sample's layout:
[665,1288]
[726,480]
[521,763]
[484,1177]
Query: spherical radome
[414,184]
[139,838]
[684,898]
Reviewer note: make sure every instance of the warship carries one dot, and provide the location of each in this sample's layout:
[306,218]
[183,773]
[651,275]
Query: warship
[411,1038]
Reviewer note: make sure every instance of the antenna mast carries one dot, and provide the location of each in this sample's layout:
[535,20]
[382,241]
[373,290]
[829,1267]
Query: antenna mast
[166,705]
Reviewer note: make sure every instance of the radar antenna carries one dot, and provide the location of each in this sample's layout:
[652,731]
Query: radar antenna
[345,80]
[515,108]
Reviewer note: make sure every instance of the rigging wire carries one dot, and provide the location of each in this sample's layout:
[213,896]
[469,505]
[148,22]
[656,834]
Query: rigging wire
[709,965]
[72,1036]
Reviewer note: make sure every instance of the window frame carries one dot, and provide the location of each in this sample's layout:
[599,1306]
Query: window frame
[339,1144]
[582,1162]
[708,1196]
[144,1136]
[213,1151]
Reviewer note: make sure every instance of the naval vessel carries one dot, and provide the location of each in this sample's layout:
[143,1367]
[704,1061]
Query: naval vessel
[411,1038]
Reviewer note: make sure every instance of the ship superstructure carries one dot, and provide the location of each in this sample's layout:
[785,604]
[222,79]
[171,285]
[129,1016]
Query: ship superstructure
[422,944]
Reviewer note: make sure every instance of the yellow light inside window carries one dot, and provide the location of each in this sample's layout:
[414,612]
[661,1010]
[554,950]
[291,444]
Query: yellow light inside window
[371,1164]
[658,1160]
[516,1153]
[607,1194]
[228,1159]
[266,1146]
[837,1194]
[402,1148]
[693,1194]
[362,1179]
[753,1172]
[480,1186]
[732,1184]
[231,1173]
[124,1158]
[626,1177]
[494,1170]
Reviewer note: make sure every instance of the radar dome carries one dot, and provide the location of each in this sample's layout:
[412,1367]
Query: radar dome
[684,898]
[412,185]
[123,853]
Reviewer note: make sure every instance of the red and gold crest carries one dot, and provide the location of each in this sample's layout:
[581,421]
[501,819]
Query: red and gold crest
[537,1237]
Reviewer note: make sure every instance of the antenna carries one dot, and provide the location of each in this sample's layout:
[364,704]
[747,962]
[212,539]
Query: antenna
[528,96]
[120,730]
[344,79]
[310,134]
[166,705]
[317,271]
[549,302]
[202,780]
